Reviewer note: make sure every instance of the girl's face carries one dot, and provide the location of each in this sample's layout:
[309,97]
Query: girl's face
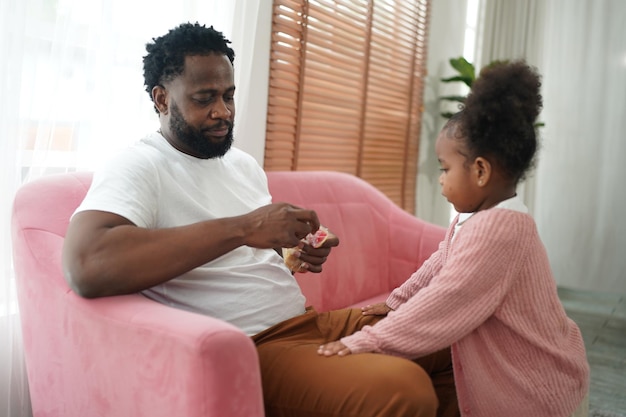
[458,180]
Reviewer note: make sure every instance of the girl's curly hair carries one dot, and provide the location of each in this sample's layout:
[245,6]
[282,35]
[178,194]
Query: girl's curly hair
[166,54]
[498,118]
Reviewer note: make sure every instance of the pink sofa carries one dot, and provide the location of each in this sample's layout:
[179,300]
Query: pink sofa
[129,356]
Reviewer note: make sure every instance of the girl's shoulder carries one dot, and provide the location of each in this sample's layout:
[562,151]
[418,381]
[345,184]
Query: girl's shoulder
[498,214]
[502,223]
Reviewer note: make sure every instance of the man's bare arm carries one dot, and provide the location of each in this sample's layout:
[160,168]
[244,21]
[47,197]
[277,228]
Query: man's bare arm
[105,254]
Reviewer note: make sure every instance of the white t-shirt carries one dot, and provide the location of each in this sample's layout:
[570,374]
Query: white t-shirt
[156,186]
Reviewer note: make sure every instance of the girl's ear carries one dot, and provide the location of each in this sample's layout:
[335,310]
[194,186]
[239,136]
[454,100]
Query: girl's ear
[159,97]
[482,171]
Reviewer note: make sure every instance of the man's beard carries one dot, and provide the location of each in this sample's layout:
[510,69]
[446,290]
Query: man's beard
[195,140]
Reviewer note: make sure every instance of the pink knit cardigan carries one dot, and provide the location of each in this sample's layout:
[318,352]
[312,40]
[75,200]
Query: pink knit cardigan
[490,295]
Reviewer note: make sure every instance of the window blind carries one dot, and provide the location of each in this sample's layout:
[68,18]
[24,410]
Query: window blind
[346,87]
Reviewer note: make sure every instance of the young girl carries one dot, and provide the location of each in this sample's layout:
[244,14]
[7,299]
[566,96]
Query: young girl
[488,291]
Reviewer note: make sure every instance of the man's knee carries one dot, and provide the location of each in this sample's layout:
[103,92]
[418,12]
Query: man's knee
[409,391]
[400,388]
[297,381]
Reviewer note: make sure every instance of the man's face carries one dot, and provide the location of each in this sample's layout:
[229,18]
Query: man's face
[196,141]
[201,107]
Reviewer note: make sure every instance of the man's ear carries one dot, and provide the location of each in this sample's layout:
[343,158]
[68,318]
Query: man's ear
[159,97]
[482,171]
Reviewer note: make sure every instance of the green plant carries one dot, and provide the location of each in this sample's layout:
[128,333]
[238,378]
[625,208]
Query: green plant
[466,74]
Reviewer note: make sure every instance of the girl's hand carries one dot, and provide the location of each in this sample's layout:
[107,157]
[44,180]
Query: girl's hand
[380,309]
[333,348]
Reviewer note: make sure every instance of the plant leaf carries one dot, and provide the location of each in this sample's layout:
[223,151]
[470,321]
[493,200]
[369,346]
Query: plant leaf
[460,99]
[466,80]
[464,68]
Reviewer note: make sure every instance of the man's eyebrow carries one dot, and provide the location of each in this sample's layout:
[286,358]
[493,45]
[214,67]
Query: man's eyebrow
[214,90]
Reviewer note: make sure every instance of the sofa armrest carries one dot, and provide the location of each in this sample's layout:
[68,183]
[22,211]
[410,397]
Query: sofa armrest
[156,360]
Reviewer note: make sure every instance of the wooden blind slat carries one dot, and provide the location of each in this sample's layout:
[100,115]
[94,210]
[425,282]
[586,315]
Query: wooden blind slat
[346,85]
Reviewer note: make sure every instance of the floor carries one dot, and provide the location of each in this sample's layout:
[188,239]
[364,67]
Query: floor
[602,321]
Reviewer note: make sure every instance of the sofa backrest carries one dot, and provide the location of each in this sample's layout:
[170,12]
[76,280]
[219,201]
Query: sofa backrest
[380,244]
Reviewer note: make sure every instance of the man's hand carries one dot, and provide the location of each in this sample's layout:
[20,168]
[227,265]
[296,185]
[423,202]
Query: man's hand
[278,225]
[314,258]
[333,348]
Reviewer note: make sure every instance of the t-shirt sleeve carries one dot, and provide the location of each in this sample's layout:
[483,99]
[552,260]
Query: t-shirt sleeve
[126,186]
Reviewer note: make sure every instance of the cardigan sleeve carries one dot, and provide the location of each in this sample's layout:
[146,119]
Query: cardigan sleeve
[479,267]
[418,280]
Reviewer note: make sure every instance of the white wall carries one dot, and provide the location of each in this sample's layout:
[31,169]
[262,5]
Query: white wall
[252,75]
[446,40]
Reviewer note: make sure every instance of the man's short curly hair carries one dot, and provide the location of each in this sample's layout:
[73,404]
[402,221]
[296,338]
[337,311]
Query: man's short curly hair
[498,118]
[166,54]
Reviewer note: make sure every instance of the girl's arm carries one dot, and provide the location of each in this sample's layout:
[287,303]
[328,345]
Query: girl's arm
[418,280]
[482,264]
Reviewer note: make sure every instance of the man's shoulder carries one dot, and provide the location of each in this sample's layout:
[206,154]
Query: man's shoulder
[151,145]
[237,154]
[137,159]
[243,161]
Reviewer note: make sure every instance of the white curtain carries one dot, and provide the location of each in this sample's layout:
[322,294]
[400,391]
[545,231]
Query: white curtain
[580,194]
[72,93]
[446,37]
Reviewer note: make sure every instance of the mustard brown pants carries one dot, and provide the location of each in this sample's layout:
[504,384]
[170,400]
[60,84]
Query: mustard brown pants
[297,382]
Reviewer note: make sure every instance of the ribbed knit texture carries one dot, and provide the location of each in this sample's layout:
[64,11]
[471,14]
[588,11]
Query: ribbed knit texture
[491,295]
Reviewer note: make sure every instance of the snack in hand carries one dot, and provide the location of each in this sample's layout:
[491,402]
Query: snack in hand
[316,240]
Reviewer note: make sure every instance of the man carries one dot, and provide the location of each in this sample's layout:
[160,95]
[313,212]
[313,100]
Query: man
[188,221]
